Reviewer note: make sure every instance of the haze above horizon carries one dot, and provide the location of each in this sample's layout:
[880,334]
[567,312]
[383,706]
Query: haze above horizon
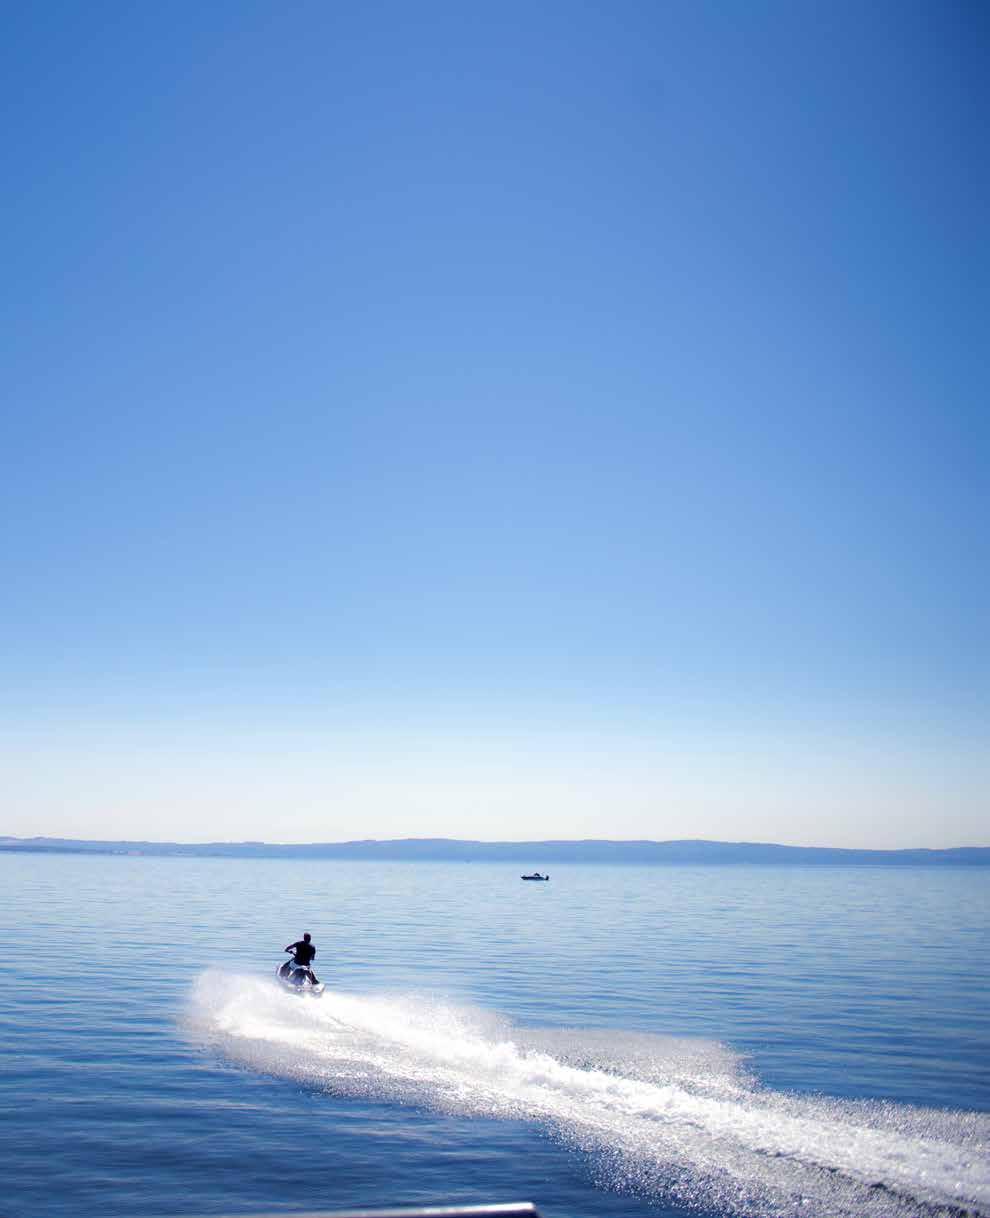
[552,422]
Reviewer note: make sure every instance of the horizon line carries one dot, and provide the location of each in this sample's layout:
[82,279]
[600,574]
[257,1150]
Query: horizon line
[477,842]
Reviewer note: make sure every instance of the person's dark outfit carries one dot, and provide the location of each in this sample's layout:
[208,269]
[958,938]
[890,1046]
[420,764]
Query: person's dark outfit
[303,952]
[302,955]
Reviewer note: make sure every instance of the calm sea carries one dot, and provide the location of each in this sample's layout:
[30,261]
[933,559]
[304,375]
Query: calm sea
[621,1041]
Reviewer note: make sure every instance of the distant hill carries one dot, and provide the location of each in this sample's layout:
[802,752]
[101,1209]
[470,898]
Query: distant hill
[529,853]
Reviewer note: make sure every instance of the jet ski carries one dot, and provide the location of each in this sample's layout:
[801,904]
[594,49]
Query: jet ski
[535,876]
[298,980]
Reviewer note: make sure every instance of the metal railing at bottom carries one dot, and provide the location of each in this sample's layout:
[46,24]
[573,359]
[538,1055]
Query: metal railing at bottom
[510,1209]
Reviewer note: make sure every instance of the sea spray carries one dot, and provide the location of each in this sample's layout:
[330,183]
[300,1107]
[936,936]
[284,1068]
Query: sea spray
[675,1119]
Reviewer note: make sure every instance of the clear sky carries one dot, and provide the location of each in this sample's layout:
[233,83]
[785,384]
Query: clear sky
[497,420]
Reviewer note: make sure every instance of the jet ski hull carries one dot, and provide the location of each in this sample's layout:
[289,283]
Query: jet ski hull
[296,985]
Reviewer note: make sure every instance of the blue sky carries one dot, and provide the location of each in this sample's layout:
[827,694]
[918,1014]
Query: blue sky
[495,421]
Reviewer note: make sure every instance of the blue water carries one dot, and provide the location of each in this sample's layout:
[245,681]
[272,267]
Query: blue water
[621,1041]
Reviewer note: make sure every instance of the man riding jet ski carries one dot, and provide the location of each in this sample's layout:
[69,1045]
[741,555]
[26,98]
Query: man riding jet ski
[296,973]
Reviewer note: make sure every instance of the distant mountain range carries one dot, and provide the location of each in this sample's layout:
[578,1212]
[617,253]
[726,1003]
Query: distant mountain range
[441,849]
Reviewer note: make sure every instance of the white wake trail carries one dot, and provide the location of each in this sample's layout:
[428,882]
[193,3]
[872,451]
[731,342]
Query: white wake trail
[672,1118]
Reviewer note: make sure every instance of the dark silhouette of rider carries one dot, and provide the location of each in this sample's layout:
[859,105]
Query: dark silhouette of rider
[303,953]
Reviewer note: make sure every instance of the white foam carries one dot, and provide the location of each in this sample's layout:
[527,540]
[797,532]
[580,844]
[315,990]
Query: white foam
[675,1119]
